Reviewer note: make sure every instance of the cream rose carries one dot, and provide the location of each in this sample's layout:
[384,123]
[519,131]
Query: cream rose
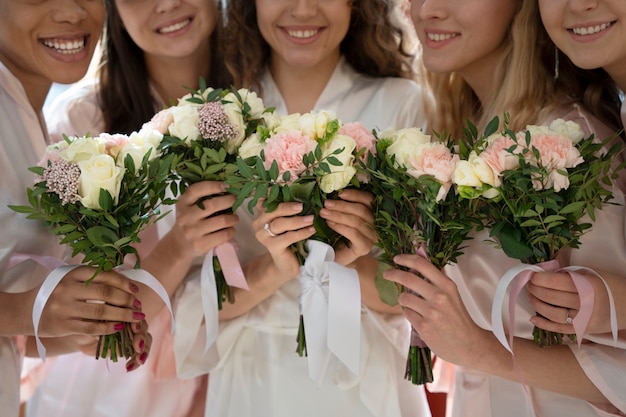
[407,143]
[138,146]
[314,124]
[98,172]
[569,129]
[233,112]
[83,148]
[339,176]
[256,104]
[252,146]
[185,124]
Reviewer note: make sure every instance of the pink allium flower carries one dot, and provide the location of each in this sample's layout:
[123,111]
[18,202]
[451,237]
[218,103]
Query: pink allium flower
[287,149]
[61,178]
[214,124]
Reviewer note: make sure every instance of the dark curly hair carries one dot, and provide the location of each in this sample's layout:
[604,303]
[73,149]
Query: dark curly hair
[373,46]
[124,92]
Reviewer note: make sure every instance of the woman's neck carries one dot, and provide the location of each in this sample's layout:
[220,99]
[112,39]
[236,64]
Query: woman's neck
[169,77]
[301,87]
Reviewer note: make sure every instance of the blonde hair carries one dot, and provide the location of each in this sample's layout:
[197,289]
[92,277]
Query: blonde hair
[524,84]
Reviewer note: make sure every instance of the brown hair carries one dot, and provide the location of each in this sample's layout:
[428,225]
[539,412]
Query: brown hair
[373,46]
[124,92]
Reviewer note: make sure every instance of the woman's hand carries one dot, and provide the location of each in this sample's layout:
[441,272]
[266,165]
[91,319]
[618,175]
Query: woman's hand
[554,297]
[97,308]
[437,313]
[352,217]
[280,229]
[198,227]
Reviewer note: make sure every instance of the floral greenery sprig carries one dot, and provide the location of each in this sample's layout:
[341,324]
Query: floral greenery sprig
[202,134]
[306,158]
[98,194]
[539,189]
[417,211]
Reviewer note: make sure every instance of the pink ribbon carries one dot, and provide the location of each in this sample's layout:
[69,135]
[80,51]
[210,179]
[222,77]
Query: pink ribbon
[227,255]
[518,277]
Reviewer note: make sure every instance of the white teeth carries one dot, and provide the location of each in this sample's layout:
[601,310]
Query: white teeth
[438,37]
[65,46]
[302,34]
[591,29]
[174,27]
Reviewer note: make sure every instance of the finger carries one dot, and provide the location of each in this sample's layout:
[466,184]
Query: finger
[83,274]
[554,280]
[99,293]
[551,326]
[354,213]
[105,312]
[357,196]
[555,297]
[409,280]
[362,234]
[424,267]
[201,189]
[551,312]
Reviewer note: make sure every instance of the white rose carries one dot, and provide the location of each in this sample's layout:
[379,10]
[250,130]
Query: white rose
[138,146]
[255,102]
[233,112]
[185,124]
[339,176]
[464,175]
[83,148]
[407,143]
[182,102]
[538,130]
[482,170]
[252,146]
[99,172]
[288,122]
[271,120]
[569,129]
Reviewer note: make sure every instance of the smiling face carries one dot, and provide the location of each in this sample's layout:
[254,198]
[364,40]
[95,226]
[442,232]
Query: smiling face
[49,41]
[592,33]
[304,33]
[169,28]
[465,36]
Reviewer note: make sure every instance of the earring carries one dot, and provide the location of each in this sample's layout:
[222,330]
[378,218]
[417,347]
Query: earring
[556,63]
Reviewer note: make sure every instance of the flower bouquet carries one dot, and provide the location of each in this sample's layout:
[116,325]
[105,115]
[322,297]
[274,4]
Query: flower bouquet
[202,134]
[309,158]
[539,190]
[416,211]
[99,193]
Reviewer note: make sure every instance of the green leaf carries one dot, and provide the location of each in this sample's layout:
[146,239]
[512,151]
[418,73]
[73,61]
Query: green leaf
[387,290]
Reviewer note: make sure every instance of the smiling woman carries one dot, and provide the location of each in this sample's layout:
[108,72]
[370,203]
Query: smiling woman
[151,51]
[42,43]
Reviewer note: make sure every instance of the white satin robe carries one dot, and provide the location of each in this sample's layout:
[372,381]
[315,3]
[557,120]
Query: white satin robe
[254,370]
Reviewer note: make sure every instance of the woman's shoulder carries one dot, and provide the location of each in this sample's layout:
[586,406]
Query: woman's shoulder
[75,111]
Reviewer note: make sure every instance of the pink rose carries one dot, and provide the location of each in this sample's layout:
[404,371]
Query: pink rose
[161,121]
[287,149]
[438,161]
[114,143]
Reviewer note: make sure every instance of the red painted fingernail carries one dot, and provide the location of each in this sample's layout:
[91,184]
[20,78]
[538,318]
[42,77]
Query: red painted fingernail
[119,326]
[130,366]
[143,357]
[137,304]
[137,315]
[133,287]
[141,345]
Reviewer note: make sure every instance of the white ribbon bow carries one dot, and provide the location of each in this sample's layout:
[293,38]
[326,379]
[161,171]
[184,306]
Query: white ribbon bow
[330,303]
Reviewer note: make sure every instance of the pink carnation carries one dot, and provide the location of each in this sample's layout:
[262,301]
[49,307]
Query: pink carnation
[287,149]
[362,137]
[438,161]
[557,153]
[497,156]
